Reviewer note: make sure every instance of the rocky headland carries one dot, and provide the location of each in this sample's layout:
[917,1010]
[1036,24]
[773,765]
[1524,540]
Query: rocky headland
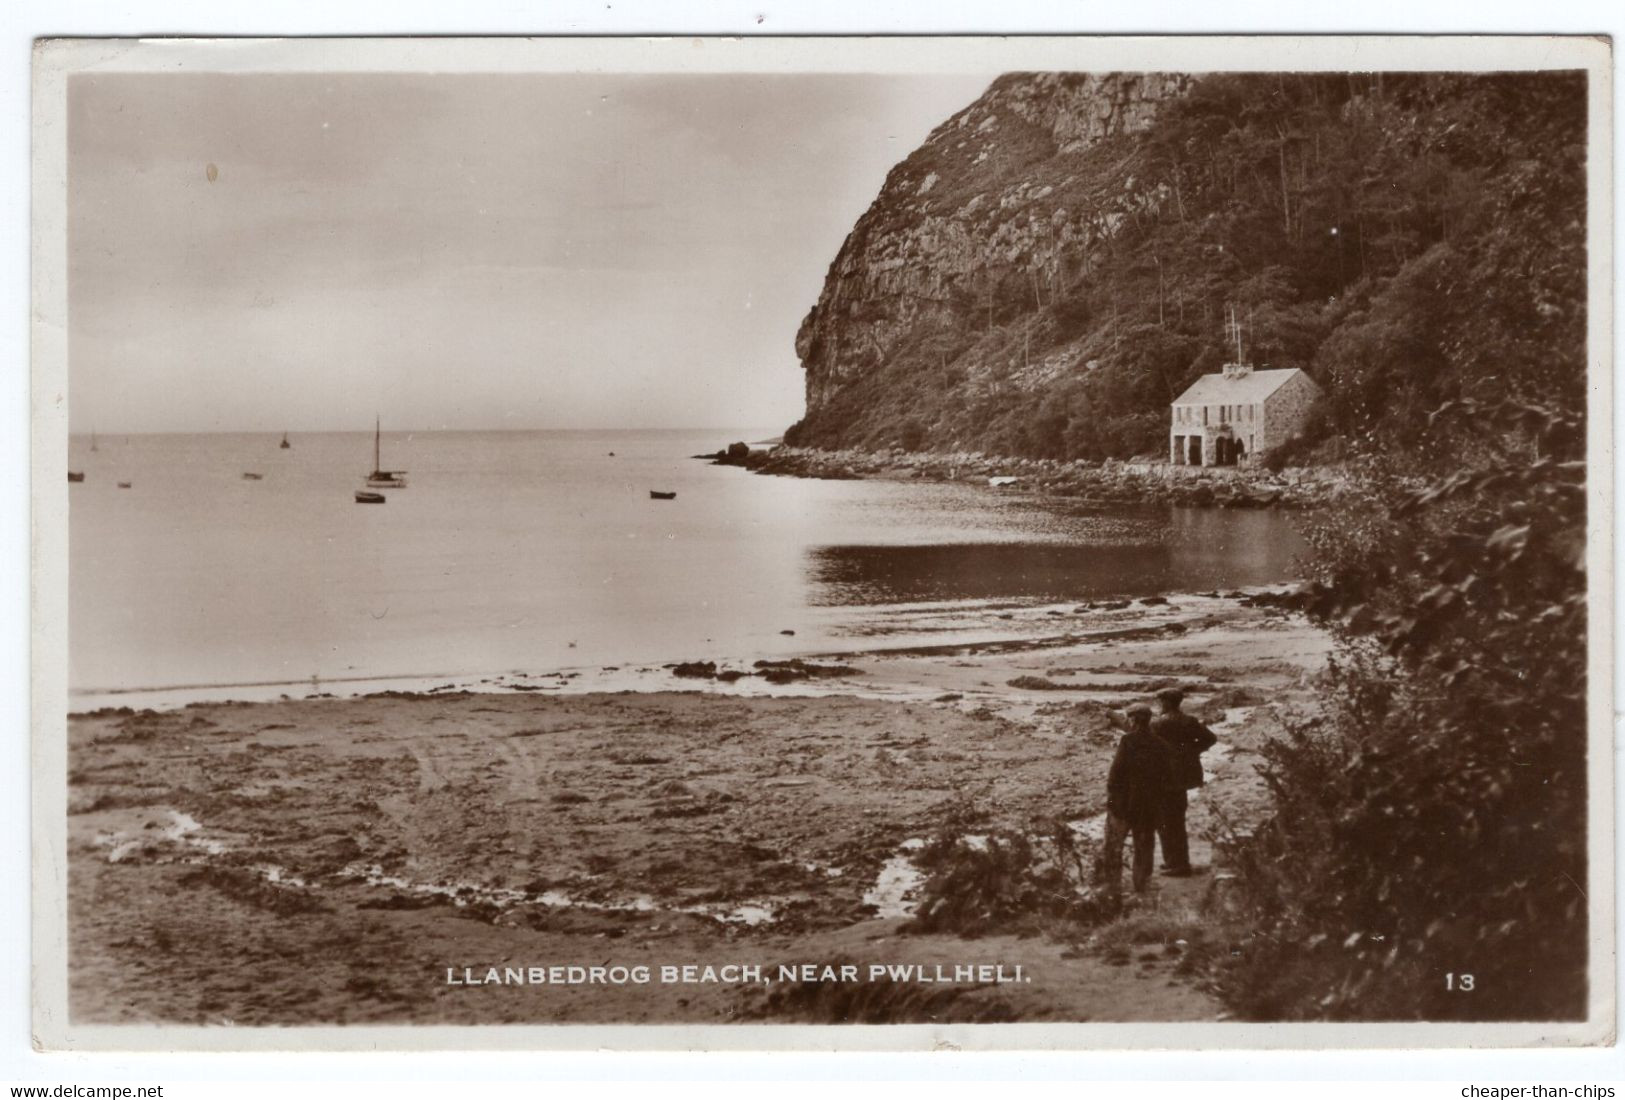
[1088,483]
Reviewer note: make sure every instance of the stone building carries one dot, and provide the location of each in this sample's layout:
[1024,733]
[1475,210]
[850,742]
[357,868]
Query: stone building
[1234,416]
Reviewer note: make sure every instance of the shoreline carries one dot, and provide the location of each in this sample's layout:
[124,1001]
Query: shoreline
[1090,484]
[385,838]
[995,624]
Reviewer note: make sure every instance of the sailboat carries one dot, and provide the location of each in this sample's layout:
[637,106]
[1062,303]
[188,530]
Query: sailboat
[381,478]
[285,445]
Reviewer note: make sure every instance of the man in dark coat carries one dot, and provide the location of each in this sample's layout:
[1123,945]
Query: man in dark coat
[1186,740]
[1136,790]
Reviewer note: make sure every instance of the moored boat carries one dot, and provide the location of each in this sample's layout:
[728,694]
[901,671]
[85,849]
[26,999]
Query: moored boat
[657,495]
[364,497]
[285,445]
[381,478]
[387,479]
[124,485]
[253,477]
[76,475]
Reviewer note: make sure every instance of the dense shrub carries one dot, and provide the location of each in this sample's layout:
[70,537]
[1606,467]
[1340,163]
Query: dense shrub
[1007,882]
[1434,824]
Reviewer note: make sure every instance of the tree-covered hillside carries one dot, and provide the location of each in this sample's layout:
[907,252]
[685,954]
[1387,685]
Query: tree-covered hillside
[1056,262]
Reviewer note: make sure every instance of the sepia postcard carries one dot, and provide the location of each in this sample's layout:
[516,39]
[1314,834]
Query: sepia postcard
[728,543]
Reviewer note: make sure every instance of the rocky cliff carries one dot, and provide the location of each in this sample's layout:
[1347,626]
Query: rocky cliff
[995,215]
[1056,261]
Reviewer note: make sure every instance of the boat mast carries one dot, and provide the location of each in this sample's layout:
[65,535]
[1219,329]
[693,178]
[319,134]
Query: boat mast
[377,431]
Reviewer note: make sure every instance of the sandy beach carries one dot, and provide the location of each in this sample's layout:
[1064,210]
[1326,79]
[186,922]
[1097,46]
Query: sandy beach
[381,858]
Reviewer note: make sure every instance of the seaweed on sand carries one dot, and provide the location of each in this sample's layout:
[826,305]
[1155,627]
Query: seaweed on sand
[247,888]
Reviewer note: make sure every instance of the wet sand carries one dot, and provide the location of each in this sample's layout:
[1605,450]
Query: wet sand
[371,859]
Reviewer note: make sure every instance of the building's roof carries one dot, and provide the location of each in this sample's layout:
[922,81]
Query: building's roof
[1250,388]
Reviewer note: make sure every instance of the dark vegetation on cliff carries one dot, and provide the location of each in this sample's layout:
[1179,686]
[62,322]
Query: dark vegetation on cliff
[1417,244]
[1055,264]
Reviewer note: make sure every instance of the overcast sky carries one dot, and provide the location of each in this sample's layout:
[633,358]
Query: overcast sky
[463,251]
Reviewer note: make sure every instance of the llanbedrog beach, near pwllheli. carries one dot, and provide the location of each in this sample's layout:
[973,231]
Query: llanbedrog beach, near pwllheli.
[824,540]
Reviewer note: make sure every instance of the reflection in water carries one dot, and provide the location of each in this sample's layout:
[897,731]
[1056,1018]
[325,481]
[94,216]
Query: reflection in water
[1186,549]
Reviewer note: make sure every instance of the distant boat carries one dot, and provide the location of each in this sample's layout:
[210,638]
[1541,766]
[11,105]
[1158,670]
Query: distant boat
[285,445]
[364,497]
[73,476]
[253,477]
[654,495]
[381,478]
[124,485]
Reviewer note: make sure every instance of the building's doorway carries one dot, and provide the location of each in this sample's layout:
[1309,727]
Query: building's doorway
[1195,455]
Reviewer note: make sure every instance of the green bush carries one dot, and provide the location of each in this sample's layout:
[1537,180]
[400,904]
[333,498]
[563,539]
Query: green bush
[1434,824]
[1008,882]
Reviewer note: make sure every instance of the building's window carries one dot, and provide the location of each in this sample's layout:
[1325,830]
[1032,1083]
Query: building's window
[1204,414]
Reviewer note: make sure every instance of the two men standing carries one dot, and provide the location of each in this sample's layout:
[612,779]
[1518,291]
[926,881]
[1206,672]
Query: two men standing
[1158,759]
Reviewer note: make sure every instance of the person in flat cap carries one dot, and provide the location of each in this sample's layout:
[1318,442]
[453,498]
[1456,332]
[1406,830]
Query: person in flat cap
[1186,740]
[1136,792]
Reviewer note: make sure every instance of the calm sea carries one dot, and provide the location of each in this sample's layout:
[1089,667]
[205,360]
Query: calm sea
[534,551]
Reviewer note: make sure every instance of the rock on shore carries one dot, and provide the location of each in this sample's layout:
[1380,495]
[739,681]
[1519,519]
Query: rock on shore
[1106,483]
